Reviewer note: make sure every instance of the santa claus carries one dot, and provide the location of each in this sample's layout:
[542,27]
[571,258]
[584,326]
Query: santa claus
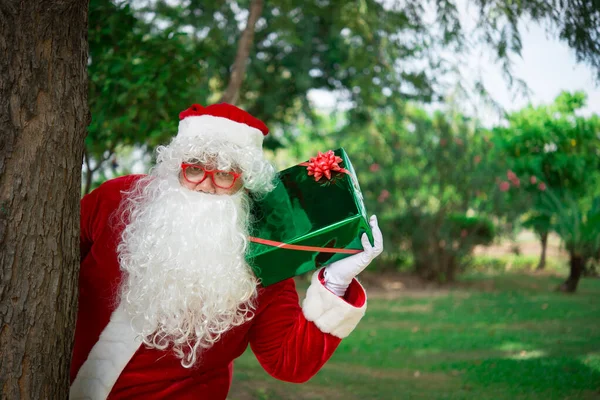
[166,298]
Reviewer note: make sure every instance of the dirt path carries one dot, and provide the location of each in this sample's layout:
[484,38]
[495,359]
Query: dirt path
[527,244]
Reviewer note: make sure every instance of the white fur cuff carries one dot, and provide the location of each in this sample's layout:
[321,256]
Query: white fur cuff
[330,313]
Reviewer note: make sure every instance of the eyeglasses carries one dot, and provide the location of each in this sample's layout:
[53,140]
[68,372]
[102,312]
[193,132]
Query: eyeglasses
[195,173]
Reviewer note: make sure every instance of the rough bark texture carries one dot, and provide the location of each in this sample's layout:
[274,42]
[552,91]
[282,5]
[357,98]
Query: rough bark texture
[577,264]
[238,71]
[542,263]
[43,119]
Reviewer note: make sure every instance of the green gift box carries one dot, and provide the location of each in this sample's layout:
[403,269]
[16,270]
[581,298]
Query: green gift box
[310,214]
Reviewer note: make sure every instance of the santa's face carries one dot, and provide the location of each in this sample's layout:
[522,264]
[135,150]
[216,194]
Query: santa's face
[183,252]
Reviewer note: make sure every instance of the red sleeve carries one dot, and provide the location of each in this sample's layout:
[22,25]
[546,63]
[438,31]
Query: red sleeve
[286,344]
[97,206]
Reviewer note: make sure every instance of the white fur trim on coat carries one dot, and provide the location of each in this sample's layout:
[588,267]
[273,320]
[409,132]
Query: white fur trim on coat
[209,126]
[330,313]
[109,356]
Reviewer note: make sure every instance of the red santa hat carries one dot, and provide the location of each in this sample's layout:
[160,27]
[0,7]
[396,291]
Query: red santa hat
[222,121]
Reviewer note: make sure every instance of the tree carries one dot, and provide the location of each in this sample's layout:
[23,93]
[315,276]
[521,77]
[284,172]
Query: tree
[149,58]
[43,116]
[238,71]
[578,225]
[541,225]
[549,148]
[146,62]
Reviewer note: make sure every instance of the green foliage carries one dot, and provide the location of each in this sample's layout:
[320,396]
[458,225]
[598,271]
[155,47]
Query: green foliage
[430,163]
[353,47]
[550,147]
[149,60]
[434,171]
[441,243]
[360,48]
[539,223]
[577,226]
[148,63]
[467,232]
[479,230]
[139,79]
[549,151]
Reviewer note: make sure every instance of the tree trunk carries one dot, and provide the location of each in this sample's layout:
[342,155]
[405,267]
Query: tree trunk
[451,268]
[542,263]
[238,71]
[577,264]
[43,119]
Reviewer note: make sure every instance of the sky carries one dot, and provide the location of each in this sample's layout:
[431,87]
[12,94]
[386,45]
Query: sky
[546,65]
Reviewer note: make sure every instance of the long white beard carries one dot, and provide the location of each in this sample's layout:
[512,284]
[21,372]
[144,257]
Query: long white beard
[187,281]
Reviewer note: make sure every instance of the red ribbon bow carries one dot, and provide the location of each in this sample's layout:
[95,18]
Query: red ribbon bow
[324,164]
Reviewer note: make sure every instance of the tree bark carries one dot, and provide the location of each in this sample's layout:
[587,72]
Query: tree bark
[542,263]
[577,264]
[238,71]
[43,119]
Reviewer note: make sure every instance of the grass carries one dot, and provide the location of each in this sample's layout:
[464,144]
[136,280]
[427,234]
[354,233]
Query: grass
[506,336]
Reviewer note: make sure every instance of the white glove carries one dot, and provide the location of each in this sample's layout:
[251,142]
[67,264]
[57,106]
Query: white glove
[339,274]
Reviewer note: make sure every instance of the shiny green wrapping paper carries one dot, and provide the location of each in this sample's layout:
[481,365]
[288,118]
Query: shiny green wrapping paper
[301,211]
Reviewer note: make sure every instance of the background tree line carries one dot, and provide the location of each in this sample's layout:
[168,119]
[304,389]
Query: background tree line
[443,172]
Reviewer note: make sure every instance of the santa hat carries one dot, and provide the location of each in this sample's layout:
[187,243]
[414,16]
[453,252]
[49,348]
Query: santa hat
[222,121]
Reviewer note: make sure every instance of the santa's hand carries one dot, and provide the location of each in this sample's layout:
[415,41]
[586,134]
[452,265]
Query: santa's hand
[339,274]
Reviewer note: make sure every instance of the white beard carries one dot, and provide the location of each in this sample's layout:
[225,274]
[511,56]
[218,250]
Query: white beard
[187,281]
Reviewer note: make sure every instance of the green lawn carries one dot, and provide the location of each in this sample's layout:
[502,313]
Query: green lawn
[504,337]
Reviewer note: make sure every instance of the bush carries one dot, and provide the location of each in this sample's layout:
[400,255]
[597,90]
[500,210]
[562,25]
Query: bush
[478,230]
[440,243]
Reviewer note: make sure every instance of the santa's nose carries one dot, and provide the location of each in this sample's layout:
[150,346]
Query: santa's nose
[206,186]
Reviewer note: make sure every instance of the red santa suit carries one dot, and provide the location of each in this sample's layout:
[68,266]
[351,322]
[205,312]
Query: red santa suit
[291,341]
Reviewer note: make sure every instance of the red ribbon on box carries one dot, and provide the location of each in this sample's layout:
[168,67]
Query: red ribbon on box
[302,248]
